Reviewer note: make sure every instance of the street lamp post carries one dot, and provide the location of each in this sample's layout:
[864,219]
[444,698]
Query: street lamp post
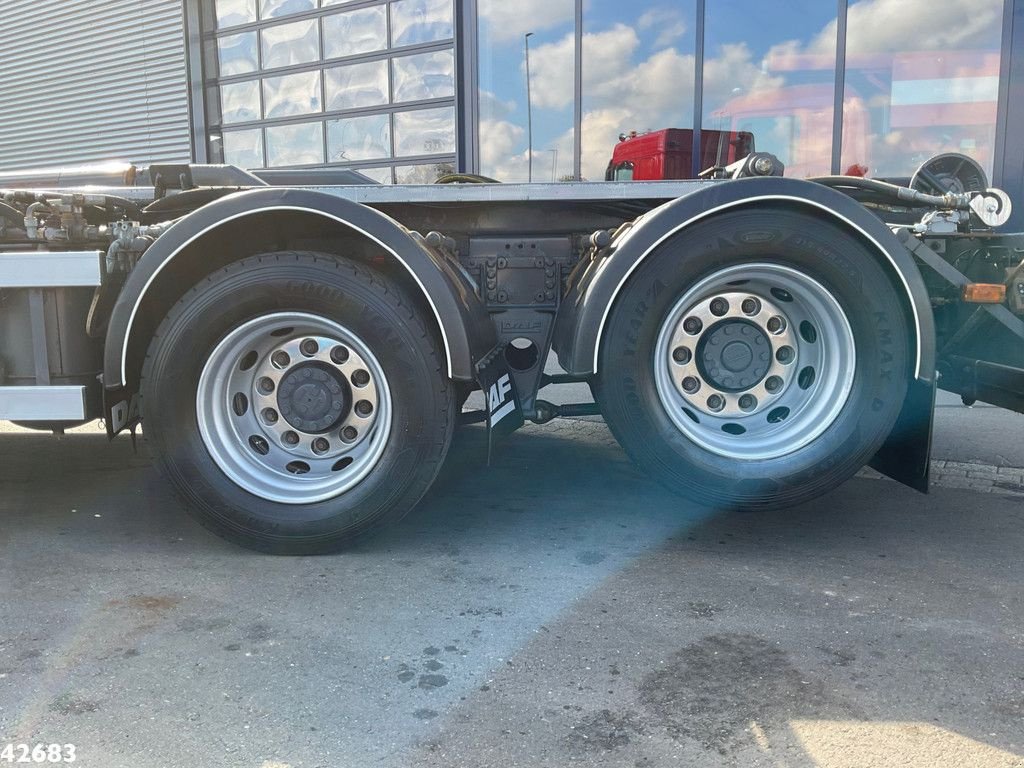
[529,111]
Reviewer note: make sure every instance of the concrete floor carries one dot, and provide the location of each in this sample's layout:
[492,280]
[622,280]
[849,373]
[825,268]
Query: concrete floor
[517,618]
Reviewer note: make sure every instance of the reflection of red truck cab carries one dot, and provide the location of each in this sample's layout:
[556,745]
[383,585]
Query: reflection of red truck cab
[668,153]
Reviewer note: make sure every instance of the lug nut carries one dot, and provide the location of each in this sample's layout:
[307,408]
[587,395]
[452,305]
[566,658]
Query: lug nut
[280,359]
[681,355]
[360,378]
[309,347]
[691,384]
[776,324]
[716,402]
[692,325]
[349,434]
[719,307]
[339,355]
[265,386]
[290,438]
[321,445]
[773,384]
[364,408]
[785,355]
[748,402]
[269,416]
[750,306]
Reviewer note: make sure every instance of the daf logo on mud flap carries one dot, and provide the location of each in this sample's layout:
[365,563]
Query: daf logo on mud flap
[499,399]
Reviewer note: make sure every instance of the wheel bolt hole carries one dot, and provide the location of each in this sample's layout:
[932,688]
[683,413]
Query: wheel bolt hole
[719,307]
[297,467]
[808,333]
[239,404]
[290,438]
[681,355]
[259,444]
[776,324]
[348,434]
[782,294]
[778,414]
[785,355]
[265,386]
[750,306]
[269,416]
[364,408]
[806,378]
[341,463]
[360,378]
[321,446]
[692,325]
[748,403]
[280,359]
[309,347]
[716,403]
[691,384]
[249,360]
[339,355]
[773,384]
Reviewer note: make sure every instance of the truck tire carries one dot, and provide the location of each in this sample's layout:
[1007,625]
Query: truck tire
[756,360]
[297,401]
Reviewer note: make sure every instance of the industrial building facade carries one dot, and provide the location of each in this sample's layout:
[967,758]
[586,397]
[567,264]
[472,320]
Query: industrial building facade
[404,90]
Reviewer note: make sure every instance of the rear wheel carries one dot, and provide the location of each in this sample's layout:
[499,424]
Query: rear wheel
[297,401]
[757,360]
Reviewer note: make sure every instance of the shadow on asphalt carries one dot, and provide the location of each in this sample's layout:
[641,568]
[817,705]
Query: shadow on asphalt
[557,607]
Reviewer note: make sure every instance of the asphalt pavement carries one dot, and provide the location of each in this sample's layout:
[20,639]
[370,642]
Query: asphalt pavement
[556,608]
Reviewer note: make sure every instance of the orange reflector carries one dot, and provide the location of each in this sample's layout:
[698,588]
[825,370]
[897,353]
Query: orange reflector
[984,293]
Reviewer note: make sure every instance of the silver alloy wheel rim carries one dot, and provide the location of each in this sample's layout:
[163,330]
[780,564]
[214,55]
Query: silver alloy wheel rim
[283,457]
[775,405]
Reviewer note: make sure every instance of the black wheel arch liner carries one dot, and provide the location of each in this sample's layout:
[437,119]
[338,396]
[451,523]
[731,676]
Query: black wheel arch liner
[461,320]
[586,309]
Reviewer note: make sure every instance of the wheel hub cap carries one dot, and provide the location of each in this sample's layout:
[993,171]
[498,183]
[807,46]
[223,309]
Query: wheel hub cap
[734,355]
[312,399]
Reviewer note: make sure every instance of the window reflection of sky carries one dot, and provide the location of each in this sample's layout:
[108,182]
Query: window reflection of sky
[768,66]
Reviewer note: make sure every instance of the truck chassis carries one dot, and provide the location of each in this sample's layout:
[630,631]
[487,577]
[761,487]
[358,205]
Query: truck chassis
[300,355]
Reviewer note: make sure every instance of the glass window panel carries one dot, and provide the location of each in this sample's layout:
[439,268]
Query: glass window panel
[422,174]
[352,32]
[380,175]
[286,44]
[919,84]
[770,72]
[504,139]
[232,12]
[421,21]
[271,8]
[638,72]
[240,102]
[424,76]
[358,138]
[297,94]
[237,54]
[301,144]
[425,132]
[244,148]
[357,85]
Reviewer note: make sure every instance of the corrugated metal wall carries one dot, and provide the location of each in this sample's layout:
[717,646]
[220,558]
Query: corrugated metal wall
[89,80]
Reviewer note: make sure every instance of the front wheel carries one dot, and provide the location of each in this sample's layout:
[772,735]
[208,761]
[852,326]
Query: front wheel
[756,360]
[297,401]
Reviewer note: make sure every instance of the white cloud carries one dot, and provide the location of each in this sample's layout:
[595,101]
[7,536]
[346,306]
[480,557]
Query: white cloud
[505,20]
[669,22]
[888,26]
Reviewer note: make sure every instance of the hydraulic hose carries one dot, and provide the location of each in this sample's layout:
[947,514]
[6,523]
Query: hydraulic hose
[905,194]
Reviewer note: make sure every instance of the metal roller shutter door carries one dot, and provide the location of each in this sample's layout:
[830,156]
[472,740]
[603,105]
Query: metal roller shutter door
[83,81]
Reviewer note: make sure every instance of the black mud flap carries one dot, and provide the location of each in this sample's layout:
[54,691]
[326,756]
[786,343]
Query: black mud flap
[501,400]
[905,455]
